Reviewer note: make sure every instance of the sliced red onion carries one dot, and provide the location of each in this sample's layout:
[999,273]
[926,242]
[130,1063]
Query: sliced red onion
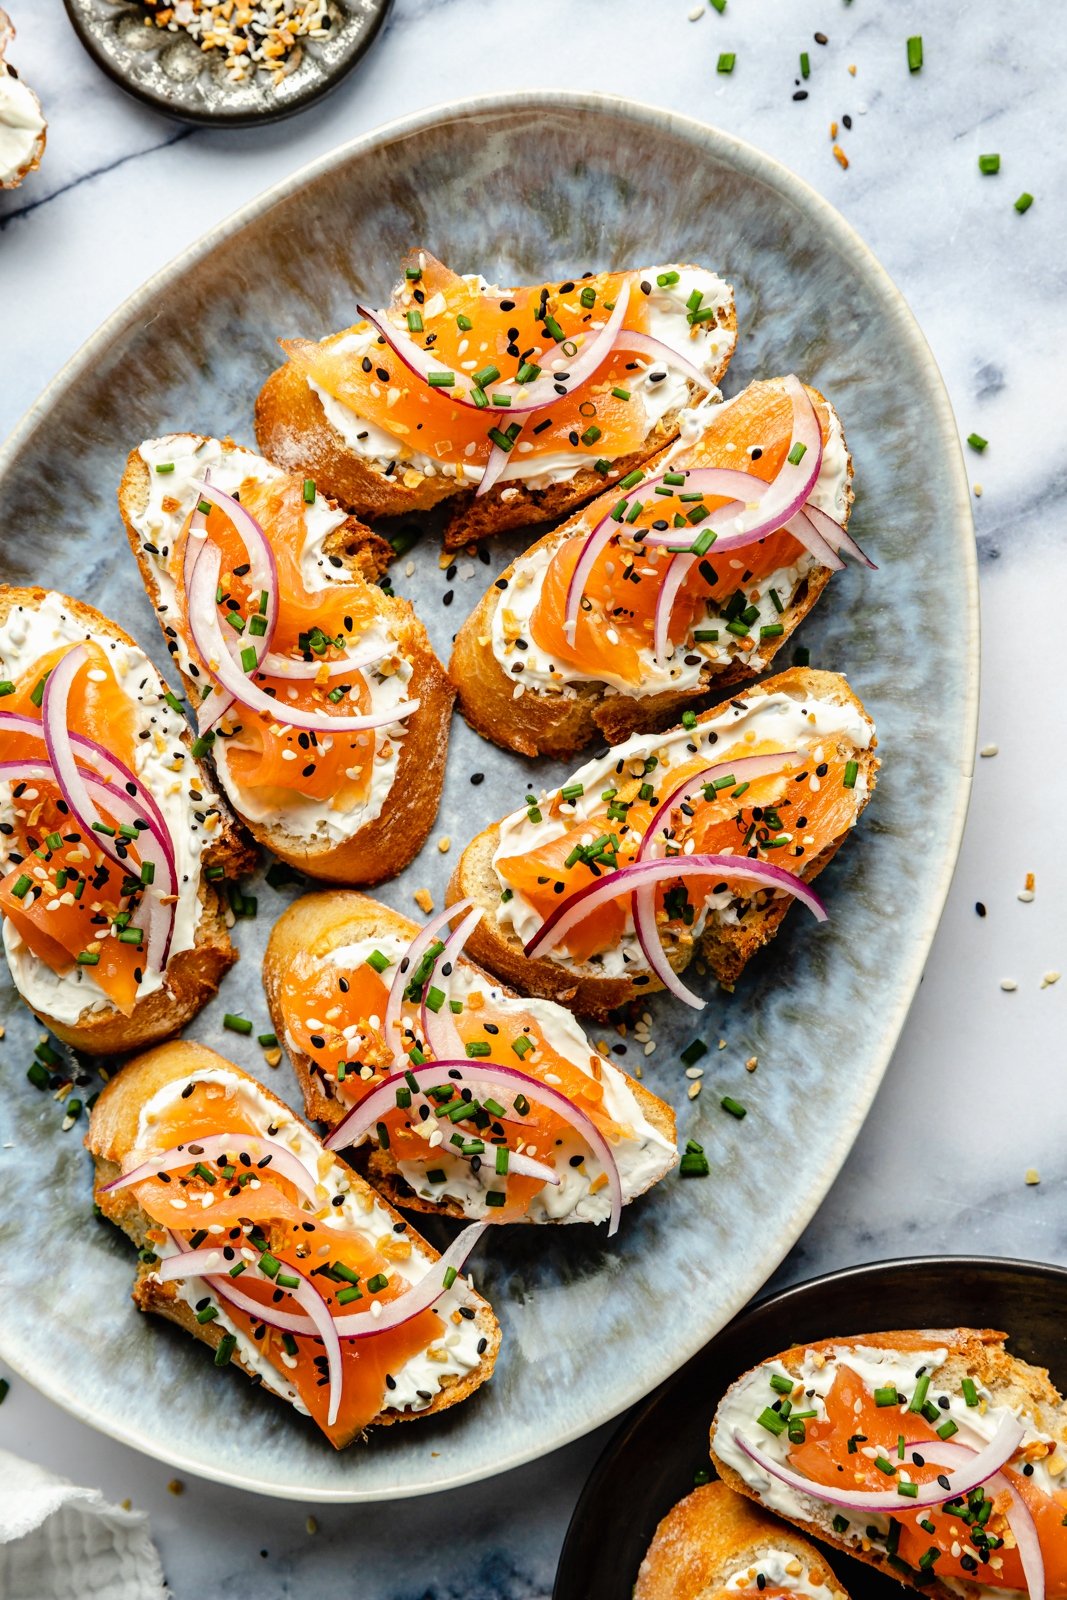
[438,1028]
[644,344]
[363,1117]
[498,460]
[153,844]
[101,763]
[392,1027]
[984,1464]
[264,573]
[534,396]
[576,907]
[208,1261]
[278,666]
[1019,1516]
[644,901]
[836,535]
[282,1161]
[678,569]
[213,649]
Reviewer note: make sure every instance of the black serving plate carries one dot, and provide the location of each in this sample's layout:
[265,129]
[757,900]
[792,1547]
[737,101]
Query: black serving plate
[650,1462]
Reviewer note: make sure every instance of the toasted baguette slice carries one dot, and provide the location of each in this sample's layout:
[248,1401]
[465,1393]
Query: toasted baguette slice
[113,1137]
[294,430]
[1003,1384]
[725,946]
[715,1540]
[557,715]
[394,832]
[302,940]
[21,118]
[197,963]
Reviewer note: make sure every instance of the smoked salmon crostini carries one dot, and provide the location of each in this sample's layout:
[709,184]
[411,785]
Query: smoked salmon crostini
[932,1454]
[716,1545]
[690,575]
[470,1099]
[114,843]
[317,694]
[260,1243]
[516,404]
[694,841]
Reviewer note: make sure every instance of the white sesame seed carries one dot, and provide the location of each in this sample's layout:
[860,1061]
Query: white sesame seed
[1009,985]
[989,750]
[694,1090]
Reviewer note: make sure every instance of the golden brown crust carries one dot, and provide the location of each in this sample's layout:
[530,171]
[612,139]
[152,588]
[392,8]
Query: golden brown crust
[293,431]
[708,1537]
[33,160]
[193,975]
[382,848]
[726,948]
[977,1353]
[558,724]
[324,921]
[112,1136]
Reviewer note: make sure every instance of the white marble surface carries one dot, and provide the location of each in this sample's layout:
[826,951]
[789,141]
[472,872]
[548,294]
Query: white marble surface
[976,1093]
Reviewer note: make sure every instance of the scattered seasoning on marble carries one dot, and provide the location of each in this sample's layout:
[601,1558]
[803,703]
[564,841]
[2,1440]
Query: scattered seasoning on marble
[1033,1177]
[989,164]
[1024,202]
[718,5]
[696,13]
[915,53]
[312,1525]
[989,750]
[694,1089]
[175,1486]
[840,157]
[980,908]
[1009,985]
[726,63]
[5,1388]
[444,844]
[752,1063]
[1050,978]
[977,487]
[852,69]
[424,900]
[976,442]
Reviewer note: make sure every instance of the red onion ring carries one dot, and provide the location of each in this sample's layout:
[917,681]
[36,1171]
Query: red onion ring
[836,535]
[205,1263]
[438,1028]
[153,844]
[391,1027]
[539,394]
[644,900]
[363,1117]
[678,569]
[283,1161]
[213,650]
[108,767]
[576,907]
[986,1462]
[644,344]
[278,666]
[498,460]
[1019,1517]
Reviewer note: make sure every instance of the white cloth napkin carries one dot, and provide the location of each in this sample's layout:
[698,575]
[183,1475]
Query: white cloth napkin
[59,1542]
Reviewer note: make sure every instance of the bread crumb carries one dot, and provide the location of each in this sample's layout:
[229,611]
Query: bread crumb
[175,1486]
[312,1525]
[444,844]
[752,1063]
[694,1089]
[852,69]
[1009,985]
[1049,979]
[977,487]
[424,900]
[722,1044]
[794,1568]
[409,570]
[840,157]
[445,559]
[273,1058]
[989,750]
[833,130]
[1032,1176]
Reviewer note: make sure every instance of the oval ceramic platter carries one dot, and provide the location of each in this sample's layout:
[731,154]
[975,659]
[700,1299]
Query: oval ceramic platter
[525,189]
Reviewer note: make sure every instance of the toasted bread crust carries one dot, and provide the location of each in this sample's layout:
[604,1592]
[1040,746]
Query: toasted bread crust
[972,1352]
[711,1535]
[726,948]
[293,431]
[193,975]
[318,923]
[112,1136]
[560,723]
[382,848]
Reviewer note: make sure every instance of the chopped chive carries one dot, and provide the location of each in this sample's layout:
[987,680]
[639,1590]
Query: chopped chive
[885,1466]
[494,1108]
[772,630]
[503,1155]
[378,961]
[776,599]
[602,466]
[910,1490]
[413,274]
[346,1296]
[840,1524]
[772,1420]
[286,1280]
[208,1314]
[477,1047]
[249,659]
[226,1347]
[88,958]
[689,719]
[6,687]
[989,164]
[588,298]
[739,629]
[970,1393]
[726,62]
[851,771]
[451,1274]
[171,699]
[976,442]
[947,1429]
[781,1383]
[522,1105]
[38,692]
[501,399]
[553,328]
[915,52]
[464,323]
[500,439]
[734,1107]
[693,1052]
[486,376]
[495,1197]
[621,394]
[309,491]
[164,466]
[887,1396]
[414,321]
[202,745]
[528,372]
[591,434]
[706,635]
[236,1024]
[434,998]
[37,1075]
[440,380]
[718,5]
[705,314]
[694,1163]
[376,1284]
[269,1265]
[131,936]
[797,454]
[805,65]
[666,279]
